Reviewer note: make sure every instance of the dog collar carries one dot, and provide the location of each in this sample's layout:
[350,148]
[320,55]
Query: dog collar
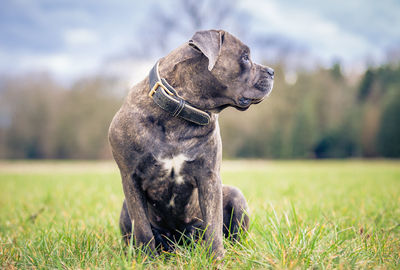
[166,97]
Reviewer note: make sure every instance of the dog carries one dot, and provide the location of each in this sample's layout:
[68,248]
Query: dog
[166,142]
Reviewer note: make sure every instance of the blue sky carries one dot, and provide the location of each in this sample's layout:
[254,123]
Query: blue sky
[75,38]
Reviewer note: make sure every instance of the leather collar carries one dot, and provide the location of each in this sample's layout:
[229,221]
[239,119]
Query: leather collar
[166,97]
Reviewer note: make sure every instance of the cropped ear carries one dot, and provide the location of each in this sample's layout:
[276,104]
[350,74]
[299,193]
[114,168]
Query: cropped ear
[209,43]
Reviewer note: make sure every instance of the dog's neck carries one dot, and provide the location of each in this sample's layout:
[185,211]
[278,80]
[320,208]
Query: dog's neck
[194,85]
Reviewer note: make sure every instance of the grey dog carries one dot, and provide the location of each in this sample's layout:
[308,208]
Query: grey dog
[166,141]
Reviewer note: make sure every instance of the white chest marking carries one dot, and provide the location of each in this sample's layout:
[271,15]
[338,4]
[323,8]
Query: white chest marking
[175,165]
[171,202]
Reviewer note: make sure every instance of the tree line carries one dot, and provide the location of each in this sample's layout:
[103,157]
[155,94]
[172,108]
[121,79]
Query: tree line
[323,114]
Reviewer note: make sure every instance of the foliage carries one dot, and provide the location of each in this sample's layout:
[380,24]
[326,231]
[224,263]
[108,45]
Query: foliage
[48,121]
[388,138]
[323,114]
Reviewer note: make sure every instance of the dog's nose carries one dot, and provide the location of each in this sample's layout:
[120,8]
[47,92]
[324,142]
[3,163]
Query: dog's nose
[270,71]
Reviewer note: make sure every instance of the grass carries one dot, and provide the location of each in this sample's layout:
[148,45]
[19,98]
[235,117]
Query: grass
[304,214]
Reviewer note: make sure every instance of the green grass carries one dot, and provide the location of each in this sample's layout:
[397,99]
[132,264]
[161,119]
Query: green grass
[304,214]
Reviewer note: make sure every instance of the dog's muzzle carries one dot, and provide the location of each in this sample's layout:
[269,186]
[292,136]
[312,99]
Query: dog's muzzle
[265,81]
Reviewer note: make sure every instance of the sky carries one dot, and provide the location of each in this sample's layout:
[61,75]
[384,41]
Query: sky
[74,38]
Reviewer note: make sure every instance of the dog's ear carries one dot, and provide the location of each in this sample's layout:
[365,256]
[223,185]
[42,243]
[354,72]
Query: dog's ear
[209,43]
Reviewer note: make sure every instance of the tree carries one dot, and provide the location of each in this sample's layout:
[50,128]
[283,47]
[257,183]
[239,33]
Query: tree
[388,138]
[176,21]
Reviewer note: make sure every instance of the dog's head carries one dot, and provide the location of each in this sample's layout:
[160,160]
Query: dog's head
[244,82]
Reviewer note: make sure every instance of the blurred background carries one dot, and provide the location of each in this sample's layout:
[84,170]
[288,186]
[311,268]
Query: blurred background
[65,67]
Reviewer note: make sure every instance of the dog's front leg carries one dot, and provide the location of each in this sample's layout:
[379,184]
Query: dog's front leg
[210,200]
[137,210]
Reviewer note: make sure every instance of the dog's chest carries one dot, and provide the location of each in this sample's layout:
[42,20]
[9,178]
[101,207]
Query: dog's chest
[173,167]
[170,185]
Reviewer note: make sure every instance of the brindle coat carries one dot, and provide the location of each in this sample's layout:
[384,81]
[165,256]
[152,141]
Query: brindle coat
[170,167]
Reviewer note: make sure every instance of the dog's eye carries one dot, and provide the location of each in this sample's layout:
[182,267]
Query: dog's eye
[245,58]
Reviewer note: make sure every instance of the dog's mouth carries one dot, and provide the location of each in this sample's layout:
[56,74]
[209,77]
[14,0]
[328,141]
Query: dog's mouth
[256,101]
[244,103]
[241,108]
[265,86]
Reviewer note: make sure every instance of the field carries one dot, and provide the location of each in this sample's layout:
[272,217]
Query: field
[304,214]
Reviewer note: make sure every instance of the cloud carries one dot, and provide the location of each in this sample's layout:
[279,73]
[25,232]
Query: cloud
[80,37]
[65,67]
[72,37]
[376,21]
[324,37]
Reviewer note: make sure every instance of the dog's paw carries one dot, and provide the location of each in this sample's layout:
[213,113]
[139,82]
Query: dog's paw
[218,255]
